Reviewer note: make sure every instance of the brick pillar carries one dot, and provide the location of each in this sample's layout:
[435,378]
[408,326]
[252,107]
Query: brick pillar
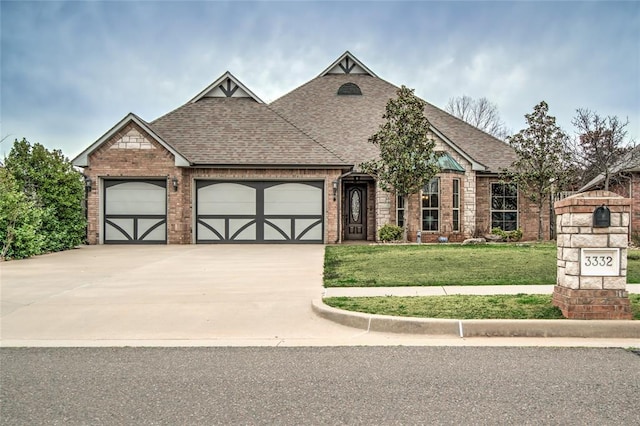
[592,260]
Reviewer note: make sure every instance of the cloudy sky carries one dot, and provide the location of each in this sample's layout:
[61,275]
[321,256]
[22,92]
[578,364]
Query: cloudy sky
[71,70]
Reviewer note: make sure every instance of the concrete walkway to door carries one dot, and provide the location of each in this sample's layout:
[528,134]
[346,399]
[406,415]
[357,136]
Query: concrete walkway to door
[172,292]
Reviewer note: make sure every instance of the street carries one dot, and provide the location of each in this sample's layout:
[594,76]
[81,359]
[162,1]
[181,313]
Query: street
[319,385]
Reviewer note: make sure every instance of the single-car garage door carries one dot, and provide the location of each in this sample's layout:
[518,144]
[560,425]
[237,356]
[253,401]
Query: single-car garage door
[135,211]
[263,212]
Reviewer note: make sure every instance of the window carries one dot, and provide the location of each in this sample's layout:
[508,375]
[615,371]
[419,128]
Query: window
[504,206]
[431,205]
[400,211]
[349,89]
[456,205]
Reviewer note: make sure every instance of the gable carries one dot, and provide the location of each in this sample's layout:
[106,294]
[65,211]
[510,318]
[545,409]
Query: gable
[226,86]
[347,64]
[128,141]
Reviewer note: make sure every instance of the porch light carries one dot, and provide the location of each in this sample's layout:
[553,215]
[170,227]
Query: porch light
[174,182]
[335,189]
[87,183]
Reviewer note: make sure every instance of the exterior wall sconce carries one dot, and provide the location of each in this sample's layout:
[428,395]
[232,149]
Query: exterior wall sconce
[335,189]
[87,183]
[174,182]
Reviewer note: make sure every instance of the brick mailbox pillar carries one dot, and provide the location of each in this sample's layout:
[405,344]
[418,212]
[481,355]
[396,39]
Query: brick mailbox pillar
[593,236]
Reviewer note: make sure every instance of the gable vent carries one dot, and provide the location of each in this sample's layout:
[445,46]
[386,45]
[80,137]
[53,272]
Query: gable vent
[349,89]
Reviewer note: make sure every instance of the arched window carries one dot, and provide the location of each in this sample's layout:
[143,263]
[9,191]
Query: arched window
[349,89]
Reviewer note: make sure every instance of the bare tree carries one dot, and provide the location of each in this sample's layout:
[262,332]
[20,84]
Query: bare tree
[600,144]
[480,113]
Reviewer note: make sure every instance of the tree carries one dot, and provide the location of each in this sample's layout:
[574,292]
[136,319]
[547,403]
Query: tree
[407,158]
[542,167]
[599,145]
[480,113]
[50,181]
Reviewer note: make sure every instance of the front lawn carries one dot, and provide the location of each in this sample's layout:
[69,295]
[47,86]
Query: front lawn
[447,264]
[521,306]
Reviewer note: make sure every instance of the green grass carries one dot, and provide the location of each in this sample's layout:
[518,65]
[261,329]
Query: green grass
[450,264]
[521,306]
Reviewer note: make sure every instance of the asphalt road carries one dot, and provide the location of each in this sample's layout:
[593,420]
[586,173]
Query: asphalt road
[322,385]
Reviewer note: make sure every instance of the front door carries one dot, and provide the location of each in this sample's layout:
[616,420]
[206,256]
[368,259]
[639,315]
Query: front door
[356,211]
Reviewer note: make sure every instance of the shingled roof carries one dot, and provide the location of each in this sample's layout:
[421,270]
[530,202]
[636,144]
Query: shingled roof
[344,123]
[326,122]
[239,131]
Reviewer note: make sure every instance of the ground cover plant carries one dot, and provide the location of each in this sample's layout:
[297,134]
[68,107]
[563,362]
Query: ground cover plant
[521,306]
[450,264]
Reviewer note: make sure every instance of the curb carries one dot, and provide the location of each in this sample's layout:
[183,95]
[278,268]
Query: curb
[619,329]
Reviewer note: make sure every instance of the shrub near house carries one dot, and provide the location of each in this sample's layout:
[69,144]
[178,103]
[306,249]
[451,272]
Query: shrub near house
[41,204]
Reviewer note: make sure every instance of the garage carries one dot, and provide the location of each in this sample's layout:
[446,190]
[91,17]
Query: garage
[135,211]
[259,212]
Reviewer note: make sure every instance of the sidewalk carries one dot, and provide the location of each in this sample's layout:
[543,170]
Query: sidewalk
[445,291]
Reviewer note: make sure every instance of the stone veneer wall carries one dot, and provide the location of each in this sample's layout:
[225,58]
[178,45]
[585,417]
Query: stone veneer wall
[591,297]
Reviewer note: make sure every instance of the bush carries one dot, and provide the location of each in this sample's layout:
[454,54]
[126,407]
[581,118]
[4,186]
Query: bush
[20,221]
[390,233]
[49,184]
[515,235]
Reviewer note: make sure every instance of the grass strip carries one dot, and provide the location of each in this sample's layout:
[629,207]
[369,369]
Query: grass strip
[520,306]
[450,264]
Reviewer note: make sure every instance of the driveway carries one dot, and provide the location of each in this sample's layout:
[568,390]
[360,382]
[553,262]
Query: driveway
[176,292]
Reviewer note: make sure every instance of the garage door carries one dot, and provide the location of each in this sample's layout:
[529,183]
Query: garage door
[263,212]
[135,211]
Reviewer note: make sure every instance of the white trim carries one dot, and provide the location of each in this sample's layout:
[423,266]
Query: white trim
[348,54]
[207,92]
[82,160]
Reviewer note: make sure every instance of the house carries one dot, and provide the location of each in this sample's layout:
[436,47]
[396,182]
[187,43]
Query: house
[226,167]
[624,180]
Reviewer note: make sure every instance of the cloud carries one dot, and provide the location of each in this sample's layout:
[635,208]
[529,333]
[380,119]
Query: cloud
[90,63]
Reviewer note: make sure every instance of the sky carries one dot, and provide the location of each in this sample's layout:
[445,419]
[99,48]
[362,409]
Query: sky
[71,70]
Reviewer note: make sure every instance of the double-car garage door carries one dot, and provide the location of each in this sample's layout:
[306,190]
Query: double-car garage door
[135,211]
[270,212]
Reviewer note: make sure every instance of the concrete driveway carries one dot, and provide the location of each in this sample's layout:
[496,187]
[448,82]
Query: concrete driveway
[143,293]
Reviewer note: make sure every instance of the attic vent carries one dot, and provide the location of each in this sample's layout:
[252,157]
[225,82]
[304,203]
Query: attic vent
[349,89]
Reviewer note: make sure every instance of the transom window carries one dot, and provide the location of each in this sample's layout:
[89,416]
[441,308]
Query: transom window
[431,206]
[504,206]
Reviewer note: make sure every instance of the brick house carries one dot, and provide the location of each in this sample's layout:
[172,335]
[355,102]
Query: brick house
[228,168]
[625,181]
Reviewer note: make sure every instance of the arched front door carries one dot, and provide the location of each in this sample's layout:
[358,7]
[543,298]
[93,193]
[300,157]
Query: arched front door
[356,212]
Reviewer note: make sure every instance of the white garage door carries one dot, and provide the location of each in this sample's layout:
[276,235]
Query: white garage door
[265,212]
[135,211]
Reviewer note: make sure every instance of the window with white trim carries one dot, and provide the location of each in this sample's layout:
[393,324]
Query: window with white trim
[504,206]
[455,226]
[400,211]
[431,205]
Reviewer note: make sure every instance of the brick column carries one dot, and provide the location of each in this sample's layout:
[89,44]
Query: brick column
[581,291]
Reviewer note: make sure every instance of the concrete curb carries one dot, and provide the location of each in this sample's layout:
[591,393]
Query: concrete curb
[480,328]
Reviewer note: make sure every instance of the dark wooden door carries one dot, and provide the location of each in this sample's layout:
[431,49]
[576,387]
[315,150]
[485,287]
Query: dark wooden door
[356,212]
